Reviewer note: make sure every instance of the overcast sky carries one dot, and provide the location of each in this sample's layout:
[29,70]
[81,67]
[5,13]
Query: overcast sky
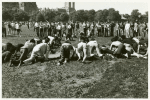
[122,7]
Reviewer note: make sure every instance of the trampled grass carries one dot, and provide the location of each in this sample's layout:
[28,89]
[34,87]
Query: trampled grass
[118,78]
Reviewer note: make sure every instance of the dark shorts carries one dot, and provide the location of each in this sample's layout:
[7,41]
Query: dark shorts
[18,30]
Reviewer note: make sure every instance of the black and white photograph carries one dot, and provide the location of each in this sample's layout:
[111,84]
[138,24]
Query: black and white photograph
[74,49]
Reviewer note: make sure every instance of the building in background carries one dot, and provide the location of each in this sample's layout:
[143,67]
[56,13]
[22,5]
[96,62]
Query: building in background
[68,7]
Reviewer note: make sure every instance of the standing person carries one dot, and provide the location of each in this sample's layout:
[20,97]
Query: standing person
[40,51]
[131,29]
[28,25]
[13,27]
[121,29]
[144,30]
[77,28]
[59,28]
[102,29]
[9,29]
[48,29]
[127,29]
[37,28]
[65,50]
[108,29]
[69,34]
[52,28]
[92,28]
[99,29]
[3,29]
[84,28]
[41,29]
[64,29]
[117,29]
[18,26]
[44,29]
[135,33]
[112,28]
[73,29]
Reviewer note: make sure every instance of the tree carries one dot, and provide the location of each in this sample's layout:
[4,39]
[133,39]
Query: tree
[6,15]
[113,15]
[40,17]
[135,15]
[64,17]
[144,17]
[91,15]
[101,15]
[127,16]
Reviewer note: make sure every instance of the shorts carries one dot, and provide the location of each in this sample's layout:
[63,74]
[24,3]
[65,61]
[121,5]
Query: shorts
[18,30]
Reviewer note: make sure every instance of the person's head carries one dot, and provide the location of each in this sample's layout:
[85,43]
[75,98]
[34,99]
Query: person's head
[82,39]
[46,40]
[123,37]
[114,39]
[86,39]
[32,41]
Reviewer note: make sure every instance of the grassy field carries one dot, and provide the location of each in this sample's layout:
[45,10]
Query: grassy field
[102,78]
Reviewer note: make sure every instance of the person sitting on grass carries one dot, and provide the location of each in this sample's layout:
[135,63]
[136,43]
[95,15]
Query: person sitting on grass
[38,52]
[65,50]
[25,50]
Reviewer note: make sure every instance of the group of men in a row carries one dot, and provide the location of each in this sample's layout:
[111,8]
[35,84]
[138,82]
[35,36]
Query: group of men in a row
[11,28]
[90,29]
[40,49]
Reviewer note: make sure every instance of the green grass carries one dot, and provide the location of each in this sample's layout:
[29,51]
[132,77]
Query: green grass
[118,78]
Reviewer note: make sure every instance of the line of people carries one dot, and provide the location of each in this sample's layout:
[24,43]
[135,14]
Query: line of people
[11,28]
[39,50]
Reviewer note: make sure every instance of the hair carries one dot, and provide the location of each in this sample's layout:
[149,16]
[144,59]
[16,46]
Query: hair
[39,41]
[47,40]
[86,39]
[32,40]
[114,38]
[18,47]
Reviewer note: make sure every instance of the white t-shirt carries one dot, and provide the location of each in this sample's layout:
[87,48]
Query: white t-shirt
[36,24]
[127,26]
[13,24]
[17,26]
[51,39]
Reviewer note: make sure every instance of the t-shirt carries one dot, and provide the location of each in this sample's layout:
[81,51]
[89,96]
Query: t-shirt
[36,25]
[13,24]
[51,39]
[17,26]
[127,26]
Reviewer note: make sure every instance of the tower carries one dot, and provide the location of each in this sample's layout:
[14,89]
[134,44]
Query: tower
[21,5]
[70,6]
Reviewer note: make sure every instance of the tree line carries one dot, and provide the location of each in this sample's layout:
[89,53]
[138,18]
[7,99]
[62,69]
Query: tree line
[80,15]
